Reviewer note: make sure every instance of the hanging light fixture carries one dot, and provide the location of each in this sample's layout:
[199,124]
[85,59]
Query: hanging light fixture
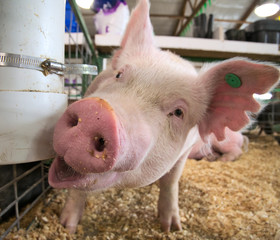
[267,8]
[86,4]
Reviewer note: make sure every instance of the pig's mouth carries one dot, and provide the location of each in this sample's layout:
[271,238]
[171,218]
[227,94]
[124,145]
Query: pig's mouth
[61,175]
[65,172]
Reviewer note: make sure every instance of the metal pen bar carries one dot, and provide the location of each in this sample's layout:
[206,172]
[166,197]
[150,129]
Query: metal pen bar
[43,175]
[20,177]
[17,199]
[16,195]
[24,213]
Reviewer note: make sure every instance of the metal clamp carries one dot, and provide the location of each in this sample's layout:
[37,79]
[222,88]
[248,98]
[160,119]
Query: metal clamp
[61,69]
[47,66]
[20,61]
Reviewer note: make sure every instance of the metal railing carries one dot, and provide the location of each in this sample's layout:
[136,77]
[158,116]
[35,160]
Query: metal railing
[78,49]
[27,179]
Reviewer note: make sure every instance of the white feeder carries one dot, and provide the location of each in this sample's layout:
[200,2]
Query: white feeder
[30,102]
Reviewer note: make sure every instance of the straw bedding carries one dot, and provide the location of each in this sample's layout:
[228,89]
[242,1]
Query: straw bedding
[218,200]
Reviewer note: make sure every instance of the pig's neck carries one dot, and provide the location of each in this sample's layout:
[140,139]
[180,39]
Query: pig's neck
[146,175]
[191,139]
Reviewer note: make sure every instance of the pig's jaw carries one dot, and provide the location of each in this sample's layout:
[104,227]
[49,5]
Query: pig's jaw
[62,175]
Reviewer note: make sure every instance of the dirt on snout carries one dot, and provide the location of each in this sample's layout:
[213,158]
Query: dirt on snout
[218,200]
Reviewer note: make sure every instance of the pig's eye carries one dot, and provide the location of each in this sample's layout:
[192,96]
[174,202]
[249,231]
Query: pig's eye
[177,113]
[119,75]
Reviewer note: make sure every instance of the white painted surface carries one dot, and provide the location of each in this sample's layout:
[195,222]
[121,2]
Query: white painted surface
[30,103]
[27,123]
[33,28]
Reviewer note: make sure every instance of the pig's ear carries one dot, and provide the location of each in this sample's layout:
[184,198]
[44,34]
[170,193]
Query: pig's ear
[230,86]
[138,34]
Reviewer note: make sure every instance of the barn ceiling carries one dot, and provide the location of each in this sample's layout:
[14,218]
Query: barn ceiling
[175,17]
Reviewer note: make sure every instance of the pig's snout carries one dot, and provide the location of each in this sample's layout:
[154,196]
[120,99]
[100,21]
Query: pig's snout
[86,137]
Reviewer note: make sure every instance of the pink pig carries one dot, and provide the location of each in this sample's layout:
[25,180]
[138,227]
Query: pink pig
[226,150]
[140,119]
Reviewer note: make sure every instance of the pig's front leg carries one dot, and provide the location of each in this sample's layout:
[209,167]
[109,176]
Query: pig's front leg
[168,209]
[73,210]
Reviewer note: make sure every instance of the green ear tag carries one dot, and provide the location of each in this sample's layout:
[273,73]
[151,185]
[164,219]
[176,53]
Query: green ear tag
[233,80]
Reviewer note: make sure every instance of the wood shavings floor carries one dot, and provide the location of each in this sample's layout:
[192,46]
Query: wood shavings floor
[218,200]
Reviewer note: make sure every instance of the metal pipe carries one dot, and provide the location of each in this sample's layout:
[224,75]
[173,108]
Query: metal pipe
[194,12]
[16,195]
[83,27]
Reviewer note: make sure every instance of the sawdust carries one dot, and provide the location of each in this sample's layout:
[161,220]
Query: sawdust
[218,200]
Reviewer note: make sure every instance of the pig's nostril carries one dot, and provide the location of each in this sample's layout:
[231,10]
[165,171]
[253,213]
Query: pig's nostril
[99,144]
[74,121]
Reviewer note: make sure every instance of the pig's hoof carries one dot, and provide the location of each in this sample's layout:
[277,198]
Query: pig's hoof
[68,223]
[227,157]
[71,229]
[170,223]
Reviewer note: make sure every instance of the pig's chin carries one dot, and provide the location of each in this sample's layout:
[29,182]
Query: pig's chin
[62,175]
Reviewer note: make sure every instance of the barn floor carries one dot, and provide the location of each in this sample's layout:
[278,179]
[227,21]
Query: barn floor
[218,200]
